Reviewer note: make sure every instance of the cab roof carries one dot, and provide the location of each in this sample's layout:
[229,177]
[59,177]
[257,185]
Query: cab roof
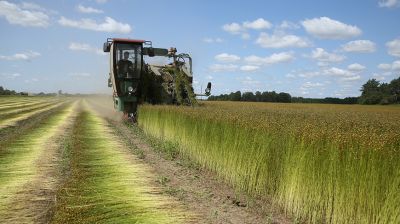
[123,40]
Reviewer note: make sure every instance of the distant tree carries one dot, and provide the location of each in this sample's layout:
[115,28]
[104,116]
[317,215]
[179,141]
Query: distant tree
[269,96]
[374,92]
[372,85]
[350,100]
[248,96]
[394,87]
[284,98]
[236,96]
[251,97]
[258,96]
[371,93]
[4,91]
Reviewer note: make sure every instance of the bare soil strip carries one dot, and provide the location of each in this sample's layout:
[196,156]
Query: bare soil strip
[29,169]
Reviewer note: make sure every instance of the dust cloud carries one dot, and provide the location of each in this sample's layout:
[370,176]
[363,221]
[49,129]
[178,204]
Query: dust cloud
[103,105]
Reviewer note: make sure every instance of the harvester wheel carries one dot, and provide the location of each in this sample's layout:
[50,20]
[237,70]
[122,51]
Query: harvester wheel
[133,118]
[129,118]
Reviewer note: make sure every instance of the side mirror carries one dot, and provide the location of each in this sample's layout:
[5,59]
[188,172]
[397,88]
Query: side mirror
[109,82]
[106,46]
[208,89]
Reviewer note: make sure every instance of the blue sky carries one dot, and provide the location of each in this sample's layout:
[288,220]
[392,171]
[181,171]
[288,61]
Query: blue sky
[306,48]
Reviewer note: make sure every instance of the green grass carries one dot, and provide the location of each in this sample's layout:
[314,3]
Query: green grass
[320,163]
[106,184]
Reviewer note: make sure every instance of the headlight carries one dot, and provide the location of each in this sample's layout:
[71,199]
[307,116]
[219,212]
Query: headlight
[130,89]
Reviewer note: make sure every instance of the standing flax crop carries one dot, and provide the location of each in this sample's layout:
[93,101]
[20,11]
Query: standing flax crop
[320,163]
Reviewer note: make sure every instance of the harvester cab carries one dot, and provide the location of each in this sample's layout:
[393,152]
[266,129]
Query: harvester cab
[135,82]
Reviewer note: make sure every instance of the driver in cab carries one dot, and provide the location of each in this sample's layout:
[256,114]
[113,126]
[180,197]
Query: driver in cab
[125,67]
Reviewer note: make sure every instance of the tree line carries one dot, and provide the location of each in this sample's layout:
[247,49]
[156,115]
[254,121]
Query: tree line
[254,97]
[7,92]
[4,91]
[372,92]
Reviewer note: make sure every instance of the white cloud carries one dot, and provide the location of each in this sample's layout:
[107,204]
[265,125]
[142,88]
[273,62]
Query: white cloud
[245,36]
[212,40]
[249,68]
[395,66]
[233,28]
[84,9]
[290,75]
[255,60]
[356,67]
[321,55]
[309,74]
[208,40]
[110,25]
[79,47]
[27,56]
[224,57]
[394,47]
[32,6]
[31,80]
[338,72]
[385,66]
[250,82]
[279,58]
[258,24]
[236,29]
[344,75]
[101,1]
[281,41]
[272,59]
[351,78]
[223,68]
[85,47]
[15,14]
[326,28]
[378,77]
[241,29]
[361,46]
[308,85]
[389,3]
[11,76]
[288,25]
